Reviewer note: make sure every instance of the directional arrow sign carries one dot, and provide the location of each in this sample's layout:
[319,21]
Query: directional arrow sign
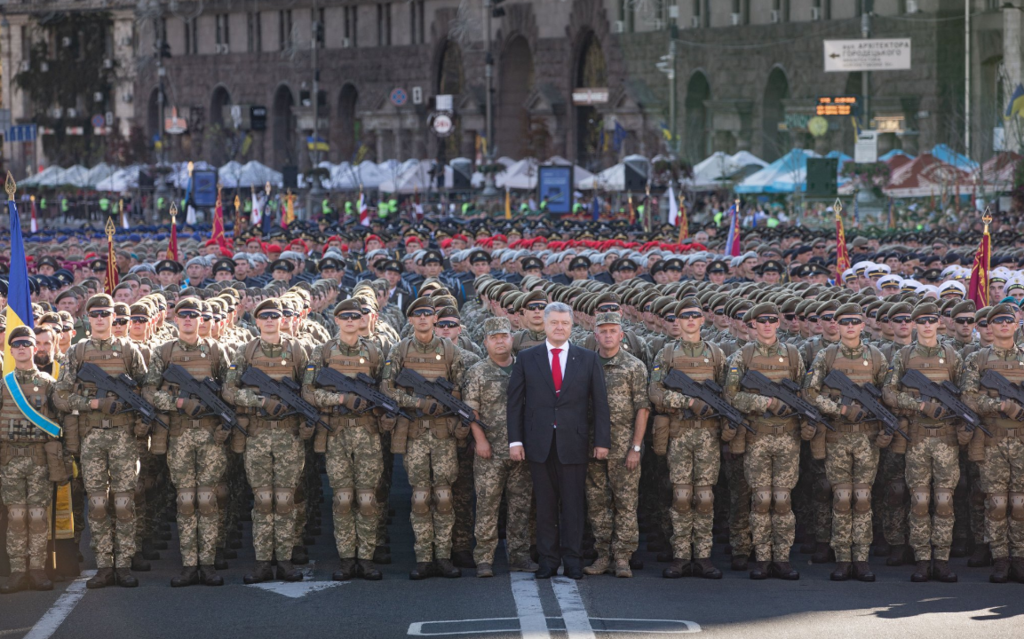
[298,589]
[867,55]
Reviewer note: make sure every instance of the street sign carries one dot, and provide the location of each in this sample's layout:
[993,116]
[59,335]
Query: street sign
[175,125]
[866,149]
[74,130]
[97,121]
[585,96]
[398,97]
[443,124]
[101,130]
[444,102]
[21,133]
[258,118]
[831,105]
[867,55]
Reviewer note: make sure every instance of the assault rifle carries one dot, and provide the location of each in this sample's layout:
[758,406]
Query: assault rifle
[787,392]
[994,380]
[363,386]
[288,392]
[946,394]
[441,390]
[206,391]
[708,392]
[122,386]
[867,396]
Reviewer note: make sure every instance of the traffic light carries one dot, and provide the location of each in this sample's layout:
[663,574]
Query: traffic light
[165,50]
[497,11]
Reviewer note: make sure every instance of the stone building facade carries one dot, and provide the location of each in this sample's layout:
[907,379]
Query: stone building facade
[748,73]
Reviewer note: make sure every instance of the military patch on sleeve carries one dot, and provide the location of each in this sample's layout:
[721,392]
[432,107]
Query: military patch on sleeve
[233,367]
[734,369]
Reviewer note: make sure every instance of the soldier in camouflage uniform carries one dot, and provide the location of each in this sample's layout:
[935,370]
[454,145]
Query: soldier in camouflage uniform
[932,454]
[851,454]
[27,471]
[274,453]
[772,457]
[196,456]
[353,450]
[430,453]
[106,442]
[613,484]
[693,444]
[1000,456]
[494,473]
[531,312]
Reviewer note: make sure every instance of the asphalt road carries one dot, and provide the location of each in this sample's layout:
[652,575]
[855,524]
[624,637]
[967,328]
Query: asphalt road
[512,606]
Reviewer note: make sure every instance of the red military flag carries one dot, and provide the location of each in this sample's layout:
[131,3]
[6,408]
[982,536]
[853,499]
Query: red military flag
[218,224]
[172,245]
[113,277]
[977,290]
[842,254]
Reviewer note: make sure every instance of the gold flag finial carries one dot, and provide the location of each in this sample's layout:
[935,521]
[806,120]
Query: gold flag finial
[191,165]
[987,218]
[173,211]
[238,202]
[111,229]
[10,186]
[838,206]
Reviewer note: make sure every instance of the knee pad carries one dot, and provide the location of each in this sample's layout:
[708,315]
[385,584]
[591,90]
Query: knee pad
[443,496]
[996,506]
[822,490]
[705,501]
[187,501]
[943,502]
[842,495]
[420,501]
[98,507]
[367,502]
[264,500]
[762,498]
[18,516]
[207,499]
[343,501]
[1016,506]
[37,520]
[124,506]
[895,493]
[781,499]
[284,501]
[222,492]
[919,499]
[862,498]
[682,497]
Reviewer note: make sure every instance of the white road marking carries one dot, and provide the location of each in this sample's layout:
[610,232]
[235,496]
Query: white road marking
[59,611]
[526,593]
[13,631]
[574,613]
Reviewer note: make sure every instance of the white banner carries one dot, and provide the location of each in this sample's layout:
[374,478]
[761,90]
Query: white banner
[867,55]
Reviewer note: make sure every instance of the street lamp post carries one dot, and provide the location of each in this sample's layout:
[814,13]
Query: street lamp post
[489,189]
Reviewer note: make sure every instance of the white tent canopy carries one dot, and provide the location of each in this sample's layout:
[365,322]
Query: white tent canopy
[121,180]
[416,178]
[366,175]
[614,178]
[250,174]
[97,173]
[721,167]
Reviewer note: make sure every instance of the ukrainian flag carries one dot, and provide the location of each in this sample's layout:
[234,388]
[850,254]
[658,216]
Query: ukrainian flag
[19,301]
[1016,105]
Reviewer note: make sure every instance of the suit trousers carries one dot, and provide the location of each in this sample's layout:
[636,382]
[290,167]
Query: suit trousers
[560,491]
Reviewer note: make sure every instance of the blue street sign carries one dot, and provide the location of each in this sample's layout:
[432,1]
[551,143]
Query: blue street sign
[21,133]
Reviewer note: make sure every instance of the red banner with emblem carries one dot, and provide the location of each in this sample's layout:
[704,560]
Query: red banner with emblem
[977,290]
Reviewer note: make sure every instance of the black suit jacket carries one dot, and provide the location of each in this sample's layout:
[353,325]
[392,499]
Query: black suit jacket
[533,406]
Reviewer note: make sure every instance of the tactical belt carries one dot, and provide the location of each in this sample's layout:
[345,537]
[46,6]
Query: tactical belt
[859,427]
[775,429]
[999,434]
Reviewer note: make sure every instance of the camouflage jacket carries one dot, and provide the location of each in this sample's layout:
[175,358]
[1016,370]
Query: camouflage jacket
[485,390]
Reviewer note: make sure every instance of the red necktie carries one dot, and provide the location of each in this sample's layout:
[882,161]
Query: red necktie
[556,369]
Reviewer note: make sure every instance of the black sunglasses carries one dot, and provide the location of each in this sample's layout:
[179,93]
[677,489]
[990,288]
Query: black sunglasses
[720,311]
[789,316]
[903,319]
[536,306]
[188,314]
[827,318]
[851,321]
[269,315]
[139,320]
[100,313]
[22,343]
[964,320]
[1003,319]
[767,319]
[690,315]
[353,315]
[921,321]
[608,308]
[813,319]
[669,318]
[982,324]
[423,312]
[121,321]
[447,324]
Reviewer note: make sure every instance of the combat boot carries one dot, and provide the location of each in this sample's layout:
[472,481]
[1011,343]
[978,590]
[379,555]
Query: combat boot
[943,573]
[381,556]
[676,569]
[599,567]
[463,559]
[862,571]
[921,572]
[897,553]
[219,561]
[483,569]
[139,564]
[622,569]
[287,572]
[1000,571]
[704,568]
[822,553]
[1017,569]
[189,577]
[422,570]
[523,564]
[209,577]
[783,570]
[17,582]
[38,580]
[300,556]
[346,570]
[262,572]
[759,570]
[126,579]
[447,569]
[842,571]
[104,577]
[982,556]
[739,562]
[366,570]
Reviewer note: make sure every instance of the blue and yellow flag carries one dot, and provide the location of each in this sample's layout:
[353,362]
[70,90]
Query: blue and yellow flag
[19,300]
[1016,105]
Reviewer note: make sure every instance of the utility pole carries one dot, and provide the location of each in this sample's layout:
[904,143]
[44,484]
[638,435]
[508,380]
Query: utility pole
[162,50]
[865,76]
[967,76]
[667,65]
[315,191]
[490,9]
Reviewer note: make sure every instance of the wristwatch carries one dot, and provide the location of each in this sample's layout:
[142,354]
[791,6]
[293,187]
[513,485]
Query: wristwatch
[636,449]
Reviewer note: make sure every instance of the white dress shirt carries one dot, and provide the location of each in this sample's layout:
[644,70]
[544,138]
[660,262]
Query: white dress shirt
[563,358]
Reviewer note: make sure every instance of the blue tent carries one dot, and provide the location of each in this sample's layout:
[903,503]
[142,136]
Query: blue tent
[784,175]
[945,154]
[891,154]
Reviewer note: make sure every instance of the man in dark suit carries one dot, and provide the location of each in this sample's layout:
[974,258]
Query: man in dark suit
[556,396]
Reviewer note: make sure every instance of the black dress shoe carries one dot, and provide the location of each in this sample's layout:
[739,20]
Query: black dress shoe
[677,569]
[842,572]
[573,572]
[704,568]
[545,572]
[288,572]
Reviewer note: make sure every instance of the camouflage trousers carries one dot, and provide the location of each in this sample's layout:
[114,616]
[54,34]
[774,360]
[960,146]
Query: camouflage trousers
[462,494]
[693,460]
[892,507]
[354,467]
[27,492]
[932,464]
[197,464]
[273,461]
[612,493]
[851,463]
[739,504]
[494,477]
[145,492]
[1002,475]
[432,466]
[109,459]
[772,464]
